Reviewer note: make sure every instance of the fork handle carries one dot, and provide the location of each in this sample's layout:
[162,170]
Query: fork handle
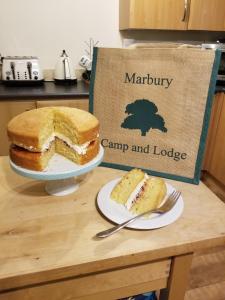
[116,228]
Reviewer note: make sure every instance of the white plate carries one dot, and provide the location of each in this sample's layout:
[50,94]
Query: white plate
[118,213]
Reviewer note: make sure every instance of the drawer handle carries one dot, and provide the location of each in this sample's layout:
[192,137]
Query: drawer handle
[185,10]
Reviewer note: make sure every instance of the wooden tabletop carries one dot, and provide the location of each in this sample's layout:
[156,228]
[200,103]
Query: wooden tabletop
[45,237]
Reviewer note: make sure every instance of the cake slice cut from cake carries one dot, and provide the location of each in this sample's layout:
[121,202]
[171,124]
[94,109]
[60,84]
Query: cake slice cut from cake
[78,126]
[138,192]
[150,196]
[37,134]
[127,185]
[79,157]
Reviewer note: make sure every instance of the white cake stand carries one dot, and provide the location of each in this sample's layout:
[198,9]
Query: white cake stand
[61,175]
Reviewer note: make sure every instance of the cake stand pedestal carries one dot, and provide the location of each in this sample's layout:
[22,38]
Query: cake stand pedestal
[62,176]
[61,187]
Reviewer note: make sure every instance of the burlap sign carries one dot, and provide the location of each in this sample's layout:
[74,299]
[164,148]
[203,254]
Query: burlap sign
[153,105]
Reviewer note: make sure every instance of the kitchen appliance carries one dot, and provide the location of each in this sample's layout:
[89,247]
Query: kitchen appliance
[86,63]
[21,70]
[64,70]
[221,71]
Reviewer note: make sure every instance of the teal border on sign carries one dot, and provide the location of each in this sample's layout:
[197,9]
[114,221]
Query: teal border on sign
[151,172]
[205,124]
[206,119]
[93,72]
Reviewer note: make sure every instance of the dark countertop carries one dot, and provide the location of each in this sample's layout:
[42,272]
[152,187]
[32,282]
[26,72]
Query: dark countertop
[220,89]
[45,91]
[50,90]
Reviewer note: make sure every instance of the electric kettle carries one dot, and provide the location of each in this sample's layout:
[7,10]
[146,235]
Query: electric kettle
[64,71]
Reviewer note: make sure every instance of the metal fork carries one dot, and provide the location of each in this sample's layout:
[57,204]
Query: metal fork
[168,205]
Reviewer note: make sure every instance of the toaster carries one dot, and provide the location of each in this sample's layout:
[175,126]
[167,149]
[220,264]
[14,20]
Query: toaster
[21,70]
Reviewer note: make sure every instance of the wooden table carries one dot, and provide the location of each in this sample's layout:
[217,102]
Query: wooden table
[48,249]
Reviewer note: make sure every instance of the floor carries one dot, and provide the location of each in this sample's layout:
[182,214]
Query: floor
[207,276]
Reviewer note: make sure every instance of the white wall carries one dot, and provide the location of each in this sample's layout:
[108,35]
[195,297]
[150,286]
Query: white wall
[44,27]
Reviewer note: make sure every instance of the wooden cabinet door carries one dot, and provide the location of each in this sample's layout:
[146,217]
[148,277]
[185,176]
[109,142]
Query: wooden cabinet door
[212,130]
[77,103]
[214,161]
[8,110]
[217,163]
[153,14]
[207,15]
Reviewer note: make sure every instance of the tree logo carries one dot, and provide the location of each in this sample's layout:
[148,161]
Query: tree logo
[143,115]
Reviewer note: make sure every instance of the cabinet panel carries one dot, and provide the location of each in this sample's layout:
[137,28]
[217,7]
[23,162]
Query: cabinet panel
[214,162]
[217,164]
[207,15]
[212,131]
[8,110]
[153,14]
[173,14]
[77,103]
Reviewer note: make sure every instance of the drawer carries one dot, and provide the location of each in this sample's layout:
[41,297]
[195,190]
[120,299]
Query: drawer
[108,285]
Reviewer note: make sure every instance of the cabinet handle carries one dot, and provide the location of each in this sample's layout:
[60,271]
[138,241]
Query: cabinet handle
[185,10]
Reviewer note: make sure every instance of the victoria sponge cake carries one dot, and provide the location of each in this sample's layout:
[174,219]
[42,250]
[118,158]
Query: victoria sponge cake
[139,192]
[37,134]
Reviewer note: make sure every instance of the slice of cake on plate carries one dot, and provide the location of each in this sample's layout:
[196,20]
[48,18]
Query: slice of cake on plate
[139,192]
[37,134]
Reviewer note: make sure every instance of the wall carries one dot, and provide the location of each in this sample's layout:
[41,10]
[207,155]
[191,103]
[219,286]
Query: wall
[45,27]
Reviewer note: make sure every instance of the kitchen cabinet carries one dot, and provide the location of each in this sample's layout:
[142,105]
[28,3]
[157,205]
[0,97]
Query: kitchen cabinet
[11,108]
[207,15]
[173,14]
[214,161]
[152,14]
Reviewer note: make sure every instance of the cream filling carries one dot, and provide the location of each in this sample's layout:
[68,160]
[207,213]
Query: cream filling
[80,149]
[48,142]
[131,200]
[30,148]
